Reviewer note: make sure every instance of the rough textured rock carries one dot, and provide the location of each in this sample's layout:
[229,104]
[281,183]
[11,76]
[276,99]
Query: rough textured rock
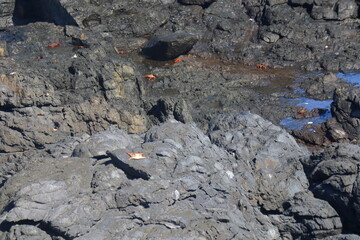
[334,177]
[268,150]
[169,45]
[346,109]
[315,219]
[6,13]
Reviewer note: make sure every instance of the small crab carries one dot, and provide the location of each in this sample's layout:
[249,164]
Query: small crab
[136,156]
[54,45]
[150,77]
[261,67]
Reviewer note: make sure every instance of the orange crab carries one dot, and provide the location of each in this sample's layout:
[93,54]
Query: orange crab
[261,67]
[178,60]
[150,77]
[119,51]
[136,156]
[54,45]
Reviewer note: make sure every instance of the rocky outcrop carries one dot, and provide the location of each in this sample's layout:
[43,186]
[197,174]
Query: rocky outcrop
[346,109]
[185,186]
[169,46]
[334,177]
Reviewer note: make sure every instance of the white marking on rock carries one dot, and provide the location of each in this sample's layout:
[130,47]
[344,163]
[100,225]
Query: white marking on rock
[230,174]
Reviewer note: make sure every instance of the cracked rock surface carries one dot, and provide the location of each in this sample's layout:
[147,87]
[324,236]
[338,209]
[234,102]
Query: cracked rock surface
[187,188]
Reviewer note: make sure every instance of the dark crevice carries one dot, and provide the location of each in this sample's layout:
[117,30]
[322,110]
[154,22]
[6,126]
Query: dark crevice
[130,172]
[30,11]
[5,227]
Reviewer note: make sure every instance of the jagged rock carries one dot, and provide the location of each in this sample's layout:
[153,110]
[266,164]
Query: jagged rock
[315,218]
[7,7]
[24,232]
[169,46]
[346,109]
[344,237]
[99,143]
[334,9]
[323,87]
[268,150]
[334,177]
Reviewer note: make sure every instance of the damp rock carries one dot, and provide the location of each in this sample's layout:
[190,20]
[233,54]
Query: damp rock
[169,46]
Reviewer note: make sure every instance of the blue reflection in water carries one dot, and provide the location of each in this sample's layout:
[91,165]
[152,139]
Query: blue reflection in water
[350,77]
[291,123]
[309,104]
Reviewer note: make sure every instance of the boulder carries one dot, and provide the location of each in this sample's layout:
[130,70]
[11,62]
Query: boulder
[269,150]
[334,177]
[169,45]
[346,109]
[6,11]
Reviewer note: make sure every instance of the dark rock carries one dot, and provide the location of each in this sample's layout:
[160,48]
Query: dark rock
[346,109]
[311,134]
[339,10]
[169,46]
[98,144]
[334,177]
[344,237]
[196,2]
[7,7]
[168,108]
[315,218]
[322,87]
[334,131]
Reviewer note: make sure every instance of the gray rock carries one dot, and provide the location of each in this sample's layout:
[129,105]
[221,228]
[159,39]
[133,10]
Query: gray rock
[275,2]
[270,37]
[3,49]
[267,149]
[99,143]
[24,232]
[314,218]
[7,7]
[323,87]
[169,46]
[334,177]
[343,237]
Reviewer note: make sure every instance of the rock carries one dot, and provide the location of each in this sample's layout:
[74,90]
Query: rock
[343,237]
[314,218]
[259,144]
[98,144]
[270,37]
[275,2]
[334,177]
[23,232]
[322,87]
[345,108]
[3,49]
[7,7]
[170,108]
[347,9]
[196,2]
[334,130]
[169,46]
[337,10]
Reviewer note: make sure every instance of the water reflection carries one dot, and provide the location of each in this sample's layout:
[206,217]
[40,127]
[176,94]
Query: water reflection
[352,77]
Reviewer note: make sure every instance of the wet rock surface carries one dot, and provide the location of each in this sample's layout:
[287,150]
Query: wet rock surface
[196,88]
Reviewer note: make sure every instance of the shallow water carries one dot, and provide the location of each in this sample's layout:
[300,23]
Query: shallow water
[309,104]
[353,77]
